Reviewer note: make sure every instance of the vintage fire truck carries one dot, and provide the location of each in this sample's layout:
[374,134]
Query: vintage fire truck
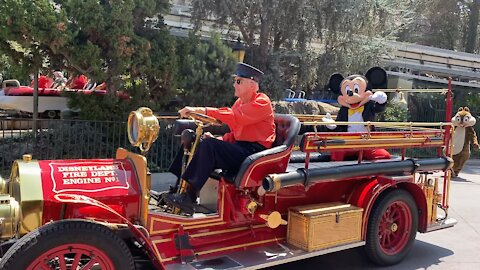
[284,204]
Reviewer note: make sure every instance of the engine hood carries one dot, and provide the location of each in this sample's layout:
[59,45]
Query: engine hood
[34,186]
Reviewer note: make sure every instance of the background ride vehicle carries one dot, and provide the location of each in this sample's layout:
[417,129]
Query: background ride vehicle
[51,100]
[107,213]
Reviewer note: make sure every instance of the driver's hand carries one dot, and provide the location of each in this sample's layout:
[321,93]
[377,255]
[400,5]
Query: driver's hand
[185,111]
[207,135]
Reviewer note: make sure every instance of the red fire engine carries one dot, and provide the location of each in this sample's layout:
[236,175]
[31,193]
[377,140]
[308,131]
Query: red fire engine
[282,205]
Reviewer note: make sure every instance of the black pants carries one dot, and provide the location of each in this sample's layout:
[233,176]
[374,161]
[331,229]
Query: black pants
[213,154]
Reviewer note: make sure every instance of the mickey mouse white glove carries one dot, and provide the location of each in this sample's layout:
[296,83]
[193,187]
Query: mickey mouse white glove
[379,97]
[328,119]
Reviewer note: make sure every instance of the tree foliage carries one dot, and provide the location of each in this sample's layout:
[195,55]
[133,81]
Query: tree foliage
[447,24]
[279,33]
[9,69]
[394,113]
[103,40]
[100,39]
[207,67]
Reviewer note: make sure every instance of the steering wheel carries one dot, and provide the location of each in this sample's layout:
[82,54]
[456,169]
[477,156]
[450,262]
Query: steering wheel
[205,119]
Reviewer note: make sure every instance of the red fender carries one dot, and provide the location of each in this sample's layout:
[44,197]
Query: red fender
[366,193]
[419,197]
[141,237]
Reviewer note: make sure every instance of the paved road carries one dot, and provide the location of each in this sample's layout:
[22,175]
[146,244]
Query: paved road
[454,248]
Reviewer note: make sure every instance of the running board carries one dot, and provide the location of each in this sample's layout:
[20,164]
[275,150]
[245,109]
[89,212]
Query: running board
[259,257]
[443,224]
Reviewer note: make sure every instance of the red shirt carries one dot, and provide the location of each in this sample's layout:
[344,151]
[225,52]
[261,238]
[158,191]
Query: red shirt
[79,82]
[252,121]
[43,82]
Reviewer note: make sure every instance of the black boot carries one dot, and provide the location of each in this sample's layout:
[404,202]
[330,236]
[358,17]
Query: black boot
[184,201]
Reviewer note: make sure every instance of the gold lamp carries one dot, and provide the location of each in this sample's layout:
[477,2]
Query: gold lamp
[239,50]
[143,128]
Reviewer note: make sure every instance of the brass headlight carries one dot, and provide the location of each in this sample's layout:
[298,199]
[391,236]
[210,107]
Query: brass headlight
[142,128]
[9,216]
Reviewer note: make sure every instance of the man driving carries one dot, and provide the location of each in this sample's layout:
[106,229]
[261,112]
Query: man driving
[252,129]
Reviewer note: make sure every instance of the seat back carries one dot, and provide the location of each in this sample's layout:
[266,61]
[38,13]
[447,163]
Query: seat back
[274,160]
[286,130]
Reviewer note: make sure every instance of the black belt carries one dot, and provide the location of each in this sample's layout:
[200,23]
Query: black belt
[252,146]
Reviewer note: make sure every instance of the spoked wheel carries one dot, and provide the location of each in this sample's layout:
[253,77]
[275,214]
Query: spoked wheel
[69,245]
[392,227]
[73,256]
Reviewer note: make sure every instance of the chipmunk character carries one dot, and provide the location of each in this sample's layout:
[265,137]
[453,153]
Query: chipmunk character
[463,137]
[359,104]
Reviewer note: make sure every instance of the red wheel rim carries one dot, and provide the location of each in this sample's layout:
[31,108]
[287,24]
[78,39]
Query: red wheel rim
[72,256]
[395,227]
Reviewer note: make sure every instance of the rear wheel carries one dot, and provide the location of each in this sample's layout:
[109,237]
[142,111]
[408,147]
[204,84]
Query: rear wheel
[392,227]
[69,245]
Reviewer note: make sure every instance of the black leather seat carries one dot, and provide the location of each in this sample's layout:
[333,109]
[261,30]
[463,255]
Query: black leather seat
[274,160]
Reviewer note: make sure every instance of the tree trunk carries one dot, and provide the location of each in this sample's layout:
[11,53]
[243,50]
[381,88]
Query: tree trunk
[265,31]
[472,27]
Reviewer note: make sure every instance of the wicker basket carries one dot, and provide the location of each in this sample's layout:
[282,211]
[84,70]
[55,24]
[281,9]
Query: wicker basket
[320,226]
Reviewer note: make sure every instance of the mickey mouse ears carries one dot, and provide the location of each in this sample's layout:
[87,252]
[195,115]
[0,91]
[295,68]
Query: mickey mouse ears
[334,82]
[376,76]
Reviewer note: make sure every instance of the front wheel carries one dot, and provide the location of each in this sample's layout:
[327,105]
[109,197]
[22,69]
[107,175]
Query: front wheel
[392,227]
[69,244]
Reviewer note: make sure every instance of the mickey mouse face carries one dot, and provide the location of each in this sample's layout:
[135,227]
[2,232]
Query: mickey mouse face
[354,92]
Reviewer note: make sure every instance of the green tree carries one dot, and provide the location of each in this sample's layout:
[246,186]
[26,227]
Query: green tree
[12,70]
[472,30]
[447,24]
[104,40]
[279,34]
[206,69]
[394,113]
[439,25]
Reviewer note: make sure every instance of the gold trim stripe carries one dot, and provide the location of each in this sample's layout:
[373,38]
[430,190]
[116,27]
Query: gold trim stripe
[228,231]
[206,222]
[220,249]
[240,246]
[377,145]
[216,232]
[268,160]
[383,124]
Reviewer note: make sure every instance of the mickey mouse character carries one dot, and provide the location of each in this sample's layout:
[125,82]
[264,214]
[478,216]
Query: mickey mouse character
[359,104]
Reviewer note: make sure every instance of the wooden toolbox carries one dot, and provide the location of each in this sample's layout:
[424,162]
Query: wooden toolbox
[318,226]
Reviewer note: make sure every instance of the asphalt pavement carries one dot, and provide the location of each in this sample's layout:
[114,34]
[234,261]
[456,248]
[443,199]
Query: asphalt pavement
[448,249]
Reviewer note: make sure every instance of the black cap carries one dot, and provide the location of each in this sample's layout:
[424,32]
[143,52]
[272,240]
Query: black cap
[249,72]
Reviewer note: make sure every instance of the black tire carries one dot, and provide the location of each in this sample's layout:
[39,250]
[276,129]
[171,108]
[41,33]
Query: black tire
[73,234]
[52,114]
[388,242]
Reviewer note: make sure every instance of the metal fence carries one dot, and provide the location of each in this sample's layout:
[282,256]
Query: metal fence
[432,108]
[77,139]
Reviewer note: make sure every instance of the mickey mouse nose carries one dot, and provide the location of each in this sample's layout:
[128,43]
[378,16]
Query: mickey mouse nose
[350,93]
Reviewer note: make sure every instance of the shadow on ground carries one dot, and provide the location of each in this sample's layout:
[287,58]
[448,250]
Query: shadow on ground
[422,256]
[460,179]
[471,170]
